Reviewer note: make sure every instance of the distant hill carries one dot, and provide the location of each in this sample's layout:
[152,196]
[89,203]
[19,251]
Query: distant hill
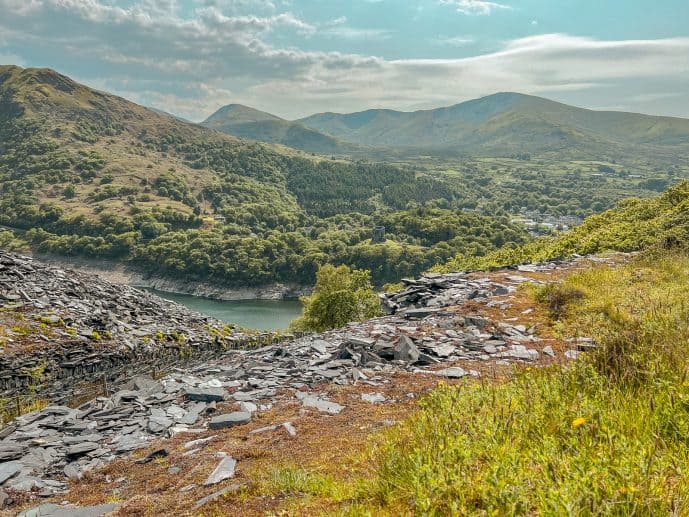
[245,122]
[510,123]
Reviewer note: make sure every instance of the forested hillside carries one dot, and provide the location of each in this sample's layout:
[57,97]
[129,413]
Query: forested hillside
[86,173]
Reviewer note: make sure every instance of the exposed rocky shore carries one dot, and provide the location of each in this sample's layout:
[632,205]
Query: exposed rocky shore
[432,326]
[121,273]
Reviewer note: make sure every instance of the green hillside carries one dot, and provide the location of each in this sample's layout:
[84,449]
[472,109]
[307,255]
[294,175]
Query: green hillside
[246,122]
[508,123]
[633,225]
[87,173]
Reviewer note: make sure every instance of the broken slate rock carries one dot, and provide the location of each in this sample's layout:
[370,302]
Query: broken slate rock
[160,453]
[205,395]
[322,405]
[11,451]
[373,398]
[81,448]
[223,471]
[54,510]
[230,420]
[216,495]
[406,350]
[453,372]
[158,424]
[9,469]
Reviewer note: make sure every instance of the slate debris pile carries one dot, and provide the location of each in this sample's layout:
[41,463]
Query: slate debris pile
[69,324]
[41,451]
[435,290]
[89,304]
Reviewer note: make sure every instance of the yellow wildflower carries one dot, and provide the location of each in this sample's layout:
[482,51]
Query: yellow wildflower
[578,422]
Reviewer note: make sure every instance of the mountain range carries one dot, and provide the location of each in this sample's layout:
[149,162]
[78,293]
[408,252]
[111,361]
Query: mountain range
[245,122]
[502,124]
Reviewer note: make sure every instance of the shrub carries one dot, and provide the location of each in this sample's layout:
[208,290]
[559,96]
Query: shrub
[341,295]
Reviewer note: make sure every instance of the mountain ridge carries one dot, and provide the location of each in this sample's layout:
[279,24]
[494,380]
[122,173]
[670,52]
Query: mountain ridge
[247,122]
[501,122]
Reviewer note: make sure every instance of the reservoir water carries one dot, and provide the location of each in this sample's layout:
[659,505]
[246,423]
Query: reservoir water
[255,314]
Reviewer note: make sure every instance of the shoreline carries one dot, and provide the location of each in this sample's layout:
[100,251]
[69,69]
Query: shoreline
[121,273]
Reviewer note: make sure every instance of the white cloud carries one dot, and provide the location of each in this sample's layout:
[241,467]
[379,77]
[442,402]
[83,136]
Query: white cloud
[453,41]
[191,66]
[474,7]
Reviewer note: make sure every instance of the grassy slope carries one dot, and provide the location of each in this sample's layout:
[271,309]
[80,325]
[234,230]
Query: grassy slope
[607,437]
[633,225]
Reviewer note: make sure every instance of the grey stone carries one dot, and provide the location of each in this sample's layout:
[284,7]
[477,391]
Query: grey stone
[73,471]
[223,471]
[243,396]
[9,469]
[81,448]
[420,313]
[322,405]
[406,350]
[475,321]
[320,346]
[158,424]
[193,413]
[230,420]
[11,451]
[160,453]
[206,394]
[453,372]
[54,510]
[373,398]
[291,430]
[248,407]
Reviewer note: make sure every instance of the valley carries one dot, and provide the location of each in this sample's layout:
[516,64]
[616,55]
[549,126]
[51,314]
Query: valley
[86,174]
[535,283]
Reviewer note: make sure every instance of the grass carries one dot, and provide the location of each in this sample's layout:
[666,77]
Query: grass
[608,436]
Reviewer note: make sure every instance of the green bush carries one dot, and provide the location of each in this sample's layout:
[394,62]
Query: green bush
[341,295]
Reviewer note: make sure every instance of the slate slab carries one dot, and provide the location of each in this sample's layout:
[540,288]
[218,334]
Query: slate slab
[453,372]
[406,350]
[230,420]
[9,469]
[205,394]
[223,471]
[54,510]
[216,495]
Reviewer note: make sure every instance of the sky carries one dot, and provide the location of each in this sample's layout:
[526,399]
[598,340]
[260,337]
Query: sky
[298,57]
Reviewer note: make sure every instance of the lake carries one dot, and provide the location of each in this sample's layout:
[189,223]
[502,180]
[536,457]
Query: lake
[255,314]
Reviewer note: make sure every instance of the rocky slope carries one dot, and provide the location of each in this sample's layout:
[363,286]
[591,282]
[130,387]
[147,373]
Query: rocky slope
[448,326]
[58,327]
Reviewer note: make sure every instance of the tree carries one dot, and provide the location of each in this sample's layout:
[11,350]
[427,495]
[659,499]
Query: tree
[69,192]
[341,295]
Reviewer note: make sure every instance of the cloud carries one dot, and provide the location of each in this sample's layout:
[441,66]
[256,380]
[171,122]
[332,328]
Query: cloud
[453,41]
[190,65]
[474,7]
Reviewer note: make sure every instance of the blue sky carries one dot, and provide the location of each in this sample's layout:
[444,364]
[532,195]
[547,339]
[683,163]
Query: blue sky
[297,57]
